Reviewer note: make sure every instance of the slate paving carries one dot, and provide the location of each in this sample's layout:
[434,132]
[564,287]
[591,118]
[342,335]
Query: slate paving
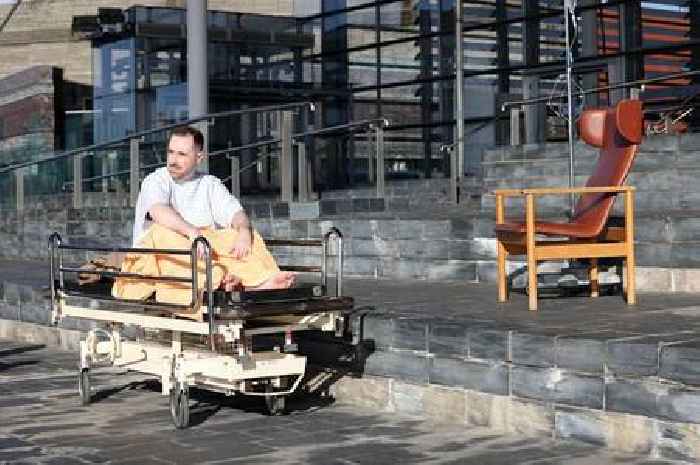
[42,422]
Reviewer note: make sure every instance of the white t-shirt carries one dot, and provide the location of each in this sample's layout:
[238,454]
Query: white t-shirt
[202,201]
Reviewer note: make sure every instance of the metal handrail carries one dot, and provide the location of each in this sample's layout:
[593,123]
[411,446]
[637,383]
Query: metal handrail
[200,243]
[623,85]
[227,151]
[368,122]
[139,134]
[115,174]
[286,142]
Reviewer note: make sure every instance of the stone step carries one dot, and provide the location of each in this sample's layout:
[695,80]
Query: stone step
[645,202]
[659,144]
[662,180]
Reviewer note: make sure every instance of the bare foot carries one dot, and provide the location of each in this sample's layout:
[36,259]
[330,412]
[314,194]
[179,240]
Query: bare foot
[279,280]
[230,282]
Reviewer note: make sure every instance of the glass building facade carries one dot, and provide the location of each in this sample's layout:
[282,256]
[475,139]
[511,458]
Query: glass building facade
[395,59]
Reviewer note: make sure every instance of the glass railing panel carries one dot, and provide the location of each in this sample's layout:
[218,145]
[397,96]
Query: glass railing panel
[49,181]
[8,192]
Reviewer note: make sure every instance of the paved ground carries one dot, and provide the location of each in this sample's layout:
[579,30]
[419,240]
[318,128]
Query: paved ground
[41,422]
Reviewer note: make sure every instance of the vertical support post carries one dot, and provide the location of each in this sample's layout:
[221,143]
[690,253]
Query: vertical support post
[447,88]
[631,31]
[589,48]
[534,115]
[78,180]
[502,277]
[236,176]
[19,185]
[426,90]
[694,34]
[134,170]
[203,127]
[568,11]
[197,74]
[629,245]
[105,173]
[531,260]
[339,265]
[379,135]
[454,179]
[286,158]
[459,96]
[593,278]
[502,55]
[514,126]
[303,192]
[370,158]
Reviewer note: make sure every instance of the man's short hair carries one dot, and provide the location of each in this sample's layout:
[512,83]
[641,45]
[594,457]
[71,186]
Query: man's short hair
[185,131]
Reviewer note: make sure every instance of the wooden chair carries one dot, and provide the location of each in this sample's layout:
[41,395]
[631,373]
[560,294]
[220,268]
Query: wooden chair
[618,132]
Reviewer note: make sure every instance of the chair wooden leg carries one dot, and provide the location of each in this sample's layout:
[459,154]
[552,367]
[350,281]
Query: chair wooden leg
[532,283]
[593,277]
[631,290]
[629,245]
[531,244]
[502,275]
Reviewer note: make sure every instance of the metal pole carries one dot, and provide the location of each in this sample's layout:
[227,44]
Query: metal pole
[379,135]
[370,151]
[515,126]
[236,176]
[568,11]
[105,173]
[303,195]
[197,74]
[134,171]
[19,184]
[78,180]
[286,159]
[459,97]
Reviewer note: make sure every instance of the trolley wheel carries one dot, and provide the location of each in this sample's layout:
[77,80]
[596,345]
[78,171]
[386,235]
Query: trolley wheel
[84,386]
[275,404]
[180,406]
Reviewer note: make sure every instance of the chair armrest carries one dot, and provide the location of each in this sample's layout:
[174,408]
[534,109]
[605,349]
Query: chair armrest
[508,192]
[577,190]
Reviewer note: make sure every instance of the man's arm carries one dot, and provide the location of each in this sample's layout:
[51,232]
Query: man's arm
[244,240]
[166,216]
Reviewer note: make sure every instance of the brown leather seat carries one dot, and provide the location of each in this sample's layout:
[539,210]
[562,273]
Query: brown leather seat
[618,132]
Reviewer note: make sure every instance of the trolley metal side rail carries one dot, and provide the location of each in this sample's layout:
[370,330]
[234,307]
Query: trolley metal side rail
[215,351]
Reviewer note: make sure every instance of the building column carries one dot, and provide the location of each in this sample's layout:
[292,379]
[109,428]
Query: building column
[426,90]
[534,114]
[627,67]
[589,48]
[334,74]
[502,61]
[197,73]
[447,54]
[694,18]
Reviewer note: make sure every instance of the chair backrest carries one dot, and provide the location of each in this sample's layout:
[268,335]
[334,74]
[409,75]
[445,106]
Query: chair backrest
[618,132]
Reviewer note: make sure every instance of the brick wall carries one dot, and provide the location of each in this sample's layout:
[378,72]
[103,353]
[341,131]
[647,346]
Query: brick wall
[27,113]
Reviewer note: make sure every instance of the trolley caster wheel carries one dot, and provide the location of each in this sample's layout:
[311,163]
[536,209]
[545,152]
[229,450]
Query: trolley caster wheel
[275,404]
[84,386]
[180,406]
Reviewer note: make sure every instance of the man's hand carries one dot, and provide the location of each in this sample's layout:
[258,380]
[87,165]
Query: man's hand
[243,243]
[192,234]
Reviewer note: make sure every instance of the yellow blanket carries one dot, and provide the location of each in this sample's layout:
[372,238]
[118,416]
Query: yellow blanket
[252,270]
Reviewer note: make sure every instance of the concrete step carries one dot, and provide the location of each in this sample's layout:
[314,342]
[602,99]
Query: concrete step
[659,144]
